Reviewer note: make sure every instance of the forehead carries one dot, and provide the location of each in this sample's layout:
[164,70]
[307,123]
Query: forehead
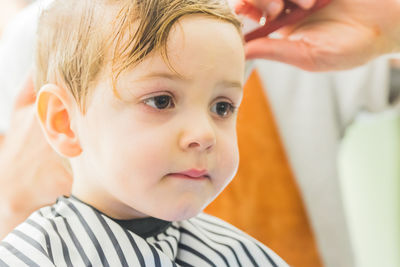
[205,39]
[199,44]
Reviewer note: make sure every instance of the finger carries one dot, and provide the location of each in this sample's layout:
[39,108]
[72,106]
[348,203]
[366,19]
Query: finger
[270,8]
[295,53]
[245,8]
[27,95]
[304,4]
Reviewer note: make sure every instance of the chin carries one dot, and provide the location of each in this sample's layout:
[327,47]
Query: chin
[181,212]
[181,216]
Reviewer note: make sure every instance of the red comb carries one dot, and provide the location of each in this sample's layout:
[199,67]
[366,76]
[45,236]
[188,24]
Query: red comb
[291,14]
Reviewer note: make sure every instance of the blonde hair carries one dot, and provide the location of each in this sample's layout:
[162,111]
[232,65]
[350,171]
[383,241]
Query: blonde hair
[77,38]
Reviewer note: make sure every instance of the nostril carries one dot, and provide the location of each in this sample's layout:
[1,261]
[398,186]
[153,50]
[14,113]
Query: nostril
[194,145]
[205,146]
[197,139]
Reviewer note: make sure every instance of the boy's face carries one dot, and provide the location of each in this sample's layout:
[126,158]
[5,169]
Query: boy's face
[142,151]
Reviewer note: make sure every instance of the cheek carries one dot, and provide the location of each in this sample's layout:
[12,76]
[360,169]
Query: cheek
[134,151]
[228,159]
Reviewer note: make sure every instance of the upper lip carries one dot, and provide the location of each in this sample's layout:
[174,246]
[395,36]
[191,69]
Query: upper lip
[195,173]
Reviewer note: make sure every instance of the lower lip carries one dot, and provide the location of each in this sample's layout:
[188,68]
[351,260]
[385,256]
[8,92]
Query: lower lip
[182,176]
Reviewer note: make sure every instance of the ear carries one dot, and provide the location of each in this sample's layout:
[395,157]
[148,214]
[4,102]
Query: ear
[54,109]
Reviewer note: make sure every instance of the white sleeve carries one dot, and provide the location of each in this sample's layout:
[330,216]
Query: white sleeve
[365,88]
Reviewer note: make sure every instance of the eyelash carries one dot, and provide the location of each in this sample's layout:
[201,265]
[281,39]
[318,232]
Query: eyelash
[231,108]
[153,98]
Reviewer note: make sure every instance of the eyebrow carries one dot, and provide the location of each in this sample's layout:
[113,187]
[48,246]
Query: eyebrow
[177,77]
[231,84]
[165,75]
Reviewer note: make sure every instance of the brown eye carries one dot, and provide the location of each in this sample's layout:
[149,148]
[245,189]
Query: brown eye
[160,102]
[223,109]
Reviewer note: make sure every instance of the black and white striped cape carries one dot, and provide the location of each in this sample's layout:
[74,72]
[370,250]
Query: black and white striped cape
[71,233]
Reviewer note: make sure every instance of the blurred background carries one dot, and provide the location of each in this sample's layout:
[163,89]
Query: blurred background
[319,179]
[8,9]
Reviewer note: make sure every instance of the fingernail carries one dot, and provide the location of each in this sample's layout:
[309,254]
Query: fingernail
[273,9]
[241,7]
[306,3]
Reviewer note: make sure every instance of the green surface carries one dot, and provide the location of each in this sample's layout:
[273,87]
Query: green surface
[369,171]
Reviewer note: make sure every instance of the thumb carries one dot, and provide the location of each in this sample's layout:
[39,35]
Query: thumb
[296,53]
[27,95]
[245,8]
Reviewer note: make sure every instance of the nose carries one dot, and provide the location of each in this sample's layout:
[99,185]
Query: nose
[198,134]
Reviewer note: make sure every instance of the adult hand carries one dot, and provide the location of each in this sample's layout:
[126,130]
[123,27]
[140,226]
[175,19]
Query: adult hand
[345,34]
[272,8]
[32,175]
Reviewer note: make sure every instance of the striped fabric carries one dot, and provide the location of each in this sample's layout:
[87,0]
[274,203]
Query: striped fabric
[71,233]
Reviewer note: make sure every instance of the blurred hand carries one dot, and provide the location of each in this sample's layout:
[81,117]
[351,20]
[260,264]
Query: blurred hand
[345,34]
[32,175]
[272,8]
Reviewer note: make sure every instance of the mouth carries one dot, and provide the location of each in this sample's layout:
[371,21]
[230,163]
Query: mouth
[193,174]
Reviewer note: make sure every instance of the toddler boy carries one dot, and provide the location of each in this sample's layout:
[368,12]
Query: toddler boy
[141,97]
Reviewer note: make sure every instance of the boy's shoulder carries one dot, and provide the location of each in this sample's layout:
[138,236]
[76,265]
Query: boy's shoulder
[229,245]
[29,243]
